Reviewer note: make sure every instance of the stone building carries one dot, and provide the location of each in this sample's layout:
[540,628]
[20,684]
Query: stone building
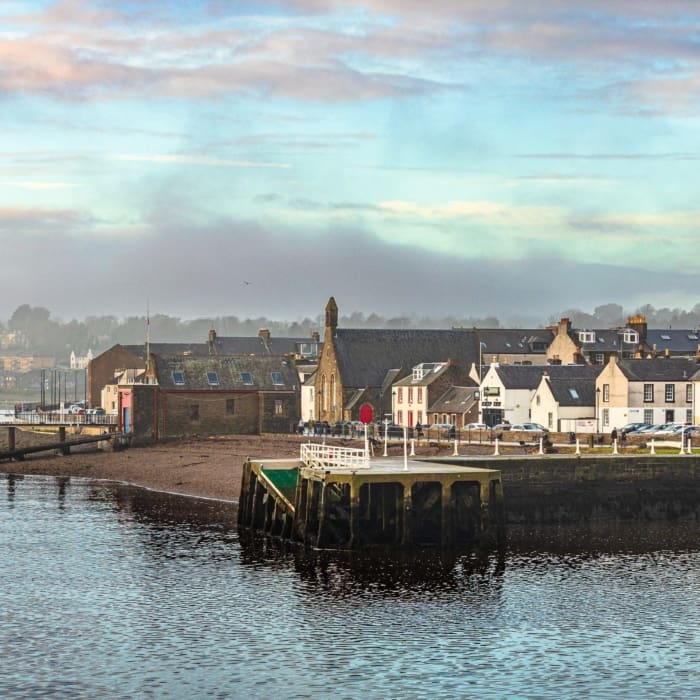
[187,396]
[358,367]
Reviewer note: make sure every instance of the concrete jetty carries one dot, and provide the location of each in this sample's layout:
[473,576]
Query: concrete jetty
[341,498]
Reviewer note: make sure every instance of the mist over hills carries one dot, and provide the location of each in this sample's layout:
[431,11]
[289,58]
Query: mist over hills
[34,328]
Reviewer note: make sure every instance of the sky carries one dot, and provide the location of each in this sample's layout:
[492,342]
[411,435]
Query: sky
[208,158]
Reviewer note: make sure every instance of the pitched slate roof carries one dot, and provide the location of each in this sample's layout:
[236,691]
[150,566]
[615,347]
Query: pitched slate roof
[507,341]
[573,391]
[429,375]
[529,376]
[660,369]
[366,355]
[457,399]
[606,340]
[675,341]
[228,371]
[253,345]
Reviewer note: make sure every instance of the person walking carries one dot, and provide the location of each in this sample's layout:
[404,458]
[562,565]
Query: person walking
[613,436]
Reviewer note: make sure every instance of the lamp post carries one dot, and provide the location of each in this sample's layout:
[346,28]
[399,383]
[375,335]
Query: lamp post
[597,410]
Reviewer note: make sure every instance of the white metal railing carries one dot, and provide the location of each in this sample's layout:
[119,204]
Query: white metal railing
[328,456]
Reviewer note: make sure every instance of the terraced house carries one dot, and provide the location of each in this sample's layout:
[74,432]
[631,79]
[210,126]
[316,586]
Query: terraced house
[654,391]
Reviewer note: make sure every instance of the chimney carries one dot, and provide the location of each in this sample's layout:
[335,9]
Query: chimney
[264,335]
[211,341]
[315,336]
[667,352]
[564,326]
[451,362]
[639,324]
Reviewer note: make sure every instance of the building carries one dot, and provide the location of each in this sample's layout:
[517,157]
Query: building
[655,391]
[414,395]
[507,390]
[103,368]
[566,403]
[186,396]
[459,406]
[358,367]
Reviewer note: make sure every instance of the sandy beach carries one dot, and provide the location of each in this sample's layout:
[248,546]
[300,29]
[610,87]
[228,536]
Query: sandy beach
[206,467]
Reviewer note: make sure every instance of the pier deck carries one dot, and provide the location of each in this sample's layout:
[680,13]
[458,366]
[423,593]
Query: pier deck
[381,501]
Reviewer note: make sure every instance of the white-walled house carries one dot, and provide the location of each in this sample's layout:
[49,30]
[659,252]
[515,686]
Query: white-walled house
[655,391]
[507,391]
[566,404]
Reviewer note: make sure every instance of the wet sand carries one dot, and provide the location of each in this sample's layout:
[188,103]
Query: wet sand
[206,467]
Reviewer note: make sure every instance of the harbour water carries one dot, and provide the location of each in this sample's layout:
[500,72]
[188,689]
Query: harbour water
[115,592]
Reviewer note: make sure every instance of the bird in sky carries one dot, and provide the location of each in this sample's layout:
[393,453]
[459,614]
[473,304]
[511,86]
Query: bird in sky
[246,282]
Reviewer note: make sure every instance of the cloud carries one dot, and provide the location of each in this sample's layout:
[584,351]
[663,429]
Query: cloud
[191,271]
[197,160]
[42,185]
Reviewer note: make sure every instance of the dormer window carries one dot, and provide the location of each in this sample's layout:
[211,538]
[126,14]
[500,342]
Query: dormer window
[277,379]
[178,378]
[586,336]
[246,377]
[630,336]
[417,373]
[213,378]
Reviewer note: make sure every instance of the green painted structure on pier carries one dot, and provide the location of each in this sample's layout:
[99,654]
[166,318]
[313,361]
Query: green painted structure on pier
[389,502]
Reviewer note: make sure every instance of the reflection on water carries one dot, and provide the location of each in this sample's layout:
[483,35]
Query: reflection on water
[116,592]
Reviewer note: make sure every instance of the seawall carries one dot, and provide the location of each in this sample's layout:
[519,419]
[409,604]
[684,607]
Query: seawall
[590,489]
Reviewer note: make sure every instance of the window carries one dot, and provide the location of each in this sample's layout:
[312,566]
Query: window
[178,378]
[333,402]
[230,407]
[606,416]
[194,411]
[586,336]
[246,377]
[670,392]
[324,393]
[279,407]
[648,393]
[574,395]
[399,395]
[417,373]
[606,392]
[630,336]
[420,394]
[213,378]
[689,415]
[649,415]
[550,420]
[410,394]
[689,393]
[538,401]
[692,336]
[399,417]
[277,378]
[665,336]
[419,416]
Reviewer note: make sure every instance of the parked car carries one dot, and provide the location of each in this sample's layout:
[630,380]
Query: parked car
[632,427]
[95,411]
[396,431]
[529,428]
[76,409]
[476,426]
[443,430]
[501,426]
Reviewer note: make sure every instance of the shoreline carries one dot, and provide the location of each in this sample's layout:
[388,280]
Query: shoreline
[209,468]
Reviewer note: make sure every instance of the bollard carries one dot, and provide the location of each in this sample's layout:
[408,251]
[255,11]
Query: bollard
[682,445]
[541,450]
[652,451]
[413,447]
[615,452]
[495,451]
[690,446]
[578,447]
[386,453]
[455,452]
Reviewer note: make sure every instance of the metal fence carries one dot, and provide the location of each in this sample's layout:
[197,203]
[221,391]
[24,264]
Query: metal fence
[329,456]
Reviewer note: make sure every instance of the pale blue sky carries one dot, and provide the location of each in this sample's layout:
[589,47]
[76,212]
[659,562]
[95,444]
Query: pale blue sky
[502,158]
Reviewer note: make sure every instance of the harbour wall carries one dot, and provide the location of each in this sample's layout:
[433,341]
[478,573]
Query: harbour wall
[595,489]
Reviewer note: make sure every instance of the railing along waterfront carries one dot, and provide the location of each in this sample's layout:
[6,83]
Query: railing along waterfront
[63,418]
[329,456]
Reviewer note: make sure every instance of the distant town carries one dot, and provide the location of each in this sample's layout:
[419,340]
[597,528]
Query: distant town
[561,377]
